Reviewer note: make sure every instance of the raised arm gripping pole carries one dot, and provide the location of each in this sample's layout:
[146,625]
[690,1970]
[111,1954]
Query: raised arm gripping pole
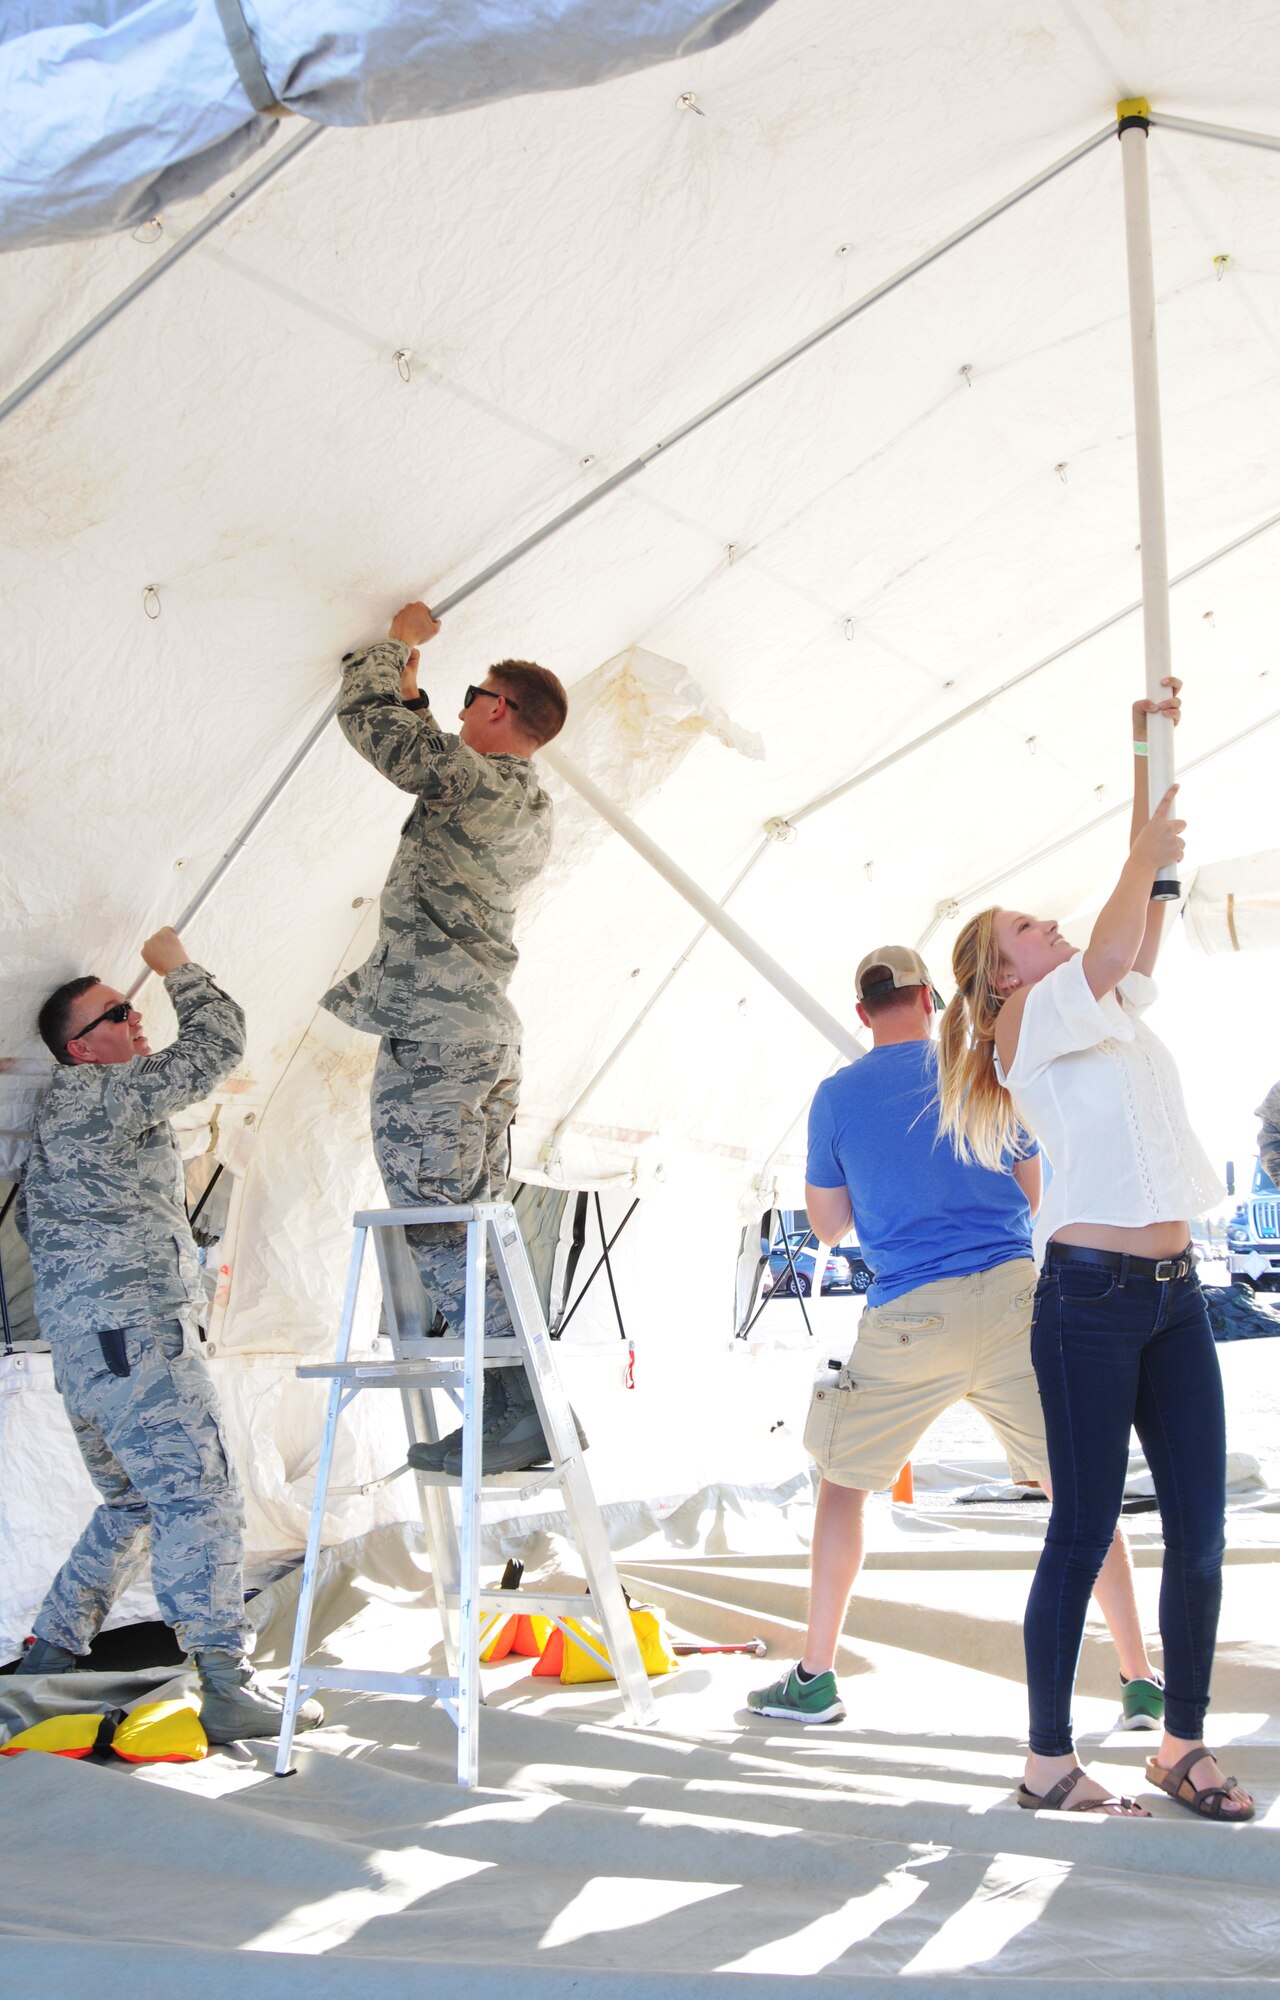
[1132,129]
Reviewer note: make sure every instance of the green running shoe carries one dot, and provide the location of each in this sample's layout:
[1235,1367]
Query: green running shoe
[794,1700]
[1143,1704]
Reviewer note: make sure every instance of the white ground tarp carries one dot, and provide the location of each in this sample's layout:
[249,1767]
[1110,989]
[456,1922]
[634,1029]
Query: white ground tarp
[714,1854]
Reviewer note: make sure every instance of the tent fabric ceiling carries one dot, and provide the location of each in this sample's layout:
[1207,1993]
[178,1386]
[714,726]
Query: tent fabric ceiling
[114,109]
[921,508]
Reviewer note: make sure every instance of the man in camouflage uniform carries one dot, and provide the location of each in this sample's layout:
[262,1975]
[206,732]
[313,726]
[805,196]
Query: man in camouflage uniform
[437,987]
[118,1296]
[1269,1132]
[447,1078]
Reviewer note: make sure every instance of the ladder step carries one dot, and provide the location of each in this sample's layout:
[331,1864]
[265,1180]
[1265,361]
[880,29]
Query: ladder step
[438,1687]
[411,1370]
[563,1603]
[534,1479]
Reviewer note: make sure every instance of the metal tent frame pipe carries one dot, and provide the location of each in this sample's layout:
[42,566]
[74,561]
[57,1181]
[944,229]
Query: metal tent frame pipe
[230,204]
[1153,532]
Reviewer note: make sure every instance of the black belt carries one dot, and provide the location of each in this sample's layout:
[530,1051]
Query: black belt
[1165,1270]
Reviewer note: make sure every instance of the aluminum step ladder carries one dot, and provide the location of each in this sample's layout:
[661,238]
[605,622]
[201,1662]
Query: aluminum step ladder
[418,1365]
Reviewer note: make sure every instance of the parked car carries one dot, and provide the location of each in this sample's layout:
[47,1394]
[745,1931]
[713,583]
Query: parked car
[1253,1235]
[844,1269]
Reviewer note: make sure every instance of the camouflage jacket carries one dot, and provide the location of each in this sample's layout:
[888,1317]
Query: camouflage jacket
[479,832]
[1269,1132]
[105,1218]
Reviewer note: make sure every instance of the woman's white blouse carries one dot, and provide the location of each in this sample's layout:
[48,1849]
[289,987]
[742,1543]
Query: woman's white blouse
[1102,1095]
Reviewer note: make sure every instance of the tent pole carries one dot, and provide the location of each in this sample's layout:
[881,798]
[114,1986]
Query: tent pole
[1232,133]
[740,941]
[1157,644]
[230,204]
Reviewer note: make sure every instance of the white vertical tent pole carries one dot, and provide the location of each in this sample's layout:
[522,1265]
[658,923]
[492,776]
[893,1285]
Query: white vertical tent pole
[718,920]
[1157,644]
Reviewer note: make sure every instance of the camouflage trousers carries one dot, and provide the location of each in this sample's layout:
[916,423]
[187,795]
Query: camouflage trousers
[153,1447]
[441,1118]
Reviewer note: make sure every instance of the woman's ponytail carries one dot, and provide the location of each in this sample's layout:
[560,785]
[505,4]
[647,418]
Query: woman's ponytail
[977,1111]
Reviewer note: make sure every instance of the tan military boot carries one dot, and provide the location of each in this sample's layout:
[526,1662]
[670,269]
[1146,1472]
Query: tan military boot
[233,1706]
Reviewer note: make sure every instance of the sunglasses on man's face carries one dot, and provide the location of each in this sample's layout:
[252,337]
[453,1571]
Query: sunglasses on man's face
[119,1014]
[494,694]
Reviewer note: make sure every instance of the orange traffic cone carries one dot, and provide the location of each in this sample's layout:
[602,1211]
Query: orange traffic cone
[904,1486]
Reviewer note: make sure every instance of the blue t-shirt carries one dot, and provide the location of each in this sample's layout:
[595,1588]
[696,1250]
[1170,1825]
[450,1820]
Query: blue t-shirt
[920,1212]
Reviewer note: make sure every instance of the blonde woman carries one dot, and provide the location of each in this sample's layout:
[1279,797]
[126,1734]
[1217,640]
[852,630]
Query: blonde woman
[1042,1033]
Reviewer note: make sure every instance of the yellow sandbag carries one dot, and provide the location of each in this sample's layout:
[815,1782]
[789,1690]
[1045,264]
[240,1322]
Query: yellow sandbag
[499,1645]
[161,1732]
[58,1735]
[157,1732]
[655,1653]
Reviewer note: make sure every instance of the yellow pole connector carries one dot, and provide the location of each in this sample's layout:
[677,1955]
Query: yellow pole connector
[1133,107]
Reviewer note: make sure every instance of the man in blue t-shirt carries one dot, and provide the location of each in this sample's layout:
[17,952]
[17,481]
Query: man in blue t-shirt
[948,1317]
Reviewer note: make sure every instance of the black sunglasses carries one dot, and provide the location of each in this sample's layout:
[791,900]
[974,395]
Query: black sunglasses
[494,694]
[119,1014]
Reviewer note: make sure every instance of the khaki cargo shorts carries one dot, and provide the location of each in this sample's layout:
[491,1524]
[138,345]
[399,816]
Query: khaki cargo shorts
[958,1339]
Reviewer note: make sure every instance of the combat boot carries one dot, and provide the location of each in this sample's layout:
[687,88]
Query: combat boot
[43,1657]
[234,1706]
[511,1435]
[426,1457]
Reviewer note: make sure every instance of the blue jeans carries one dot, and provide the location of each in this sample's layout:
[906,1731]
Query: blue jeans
[1112,1350]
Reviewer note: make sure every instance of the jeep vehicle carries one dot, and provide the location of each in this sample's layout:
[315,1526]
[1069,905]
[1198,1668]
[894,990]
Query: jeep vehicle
[1253,1235]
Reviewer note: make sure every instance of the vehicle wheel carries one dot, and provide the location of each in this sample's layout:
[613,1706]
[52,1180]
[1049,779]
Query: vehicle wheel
[861,1280]
[802,1287]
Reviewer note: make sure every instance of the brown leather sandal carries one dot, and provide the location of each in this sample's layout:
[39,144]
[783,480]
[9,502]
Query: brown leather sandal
[1114,1806]
[1210,1802]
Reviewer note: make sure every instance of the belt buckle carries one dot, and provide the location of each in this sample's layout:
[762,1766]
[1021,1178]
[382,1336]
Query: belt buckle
[1169,1269]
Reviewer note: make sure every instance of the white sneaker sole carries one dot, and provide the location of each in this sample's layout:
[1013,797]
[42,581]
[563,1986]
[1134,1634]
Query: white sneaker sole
[836,1713]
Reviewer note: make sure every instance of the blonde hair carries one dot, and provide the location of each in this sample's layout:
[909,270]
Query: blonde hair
[977,1112]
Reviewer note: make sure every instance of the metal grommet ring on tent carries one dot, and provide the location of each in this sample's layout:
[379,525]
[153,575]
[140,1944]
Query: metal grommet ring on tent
[151,601]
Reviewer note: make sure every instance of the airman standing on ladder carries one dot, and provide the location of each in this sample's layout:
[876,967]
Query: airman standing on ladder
[447,1079]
